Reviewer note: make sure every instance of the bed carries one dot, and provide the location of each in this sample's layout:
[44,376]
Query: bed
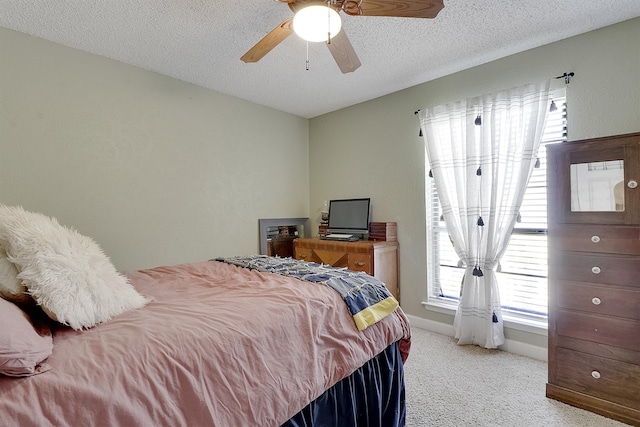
[219,343]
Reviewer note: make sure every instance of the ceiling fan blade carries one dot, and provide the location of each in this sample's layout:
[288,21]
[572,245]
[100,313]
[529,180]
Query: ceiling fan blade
[399,8]
[268,42]
[343,52]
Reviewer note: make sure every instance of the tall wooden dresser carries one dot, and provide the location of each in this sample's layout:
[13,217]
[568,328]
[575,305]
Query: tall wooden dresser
[594,275]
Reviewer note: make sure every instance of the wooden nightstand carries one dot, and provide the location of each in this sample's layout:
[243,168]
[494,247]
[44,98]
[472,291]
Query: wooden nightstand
[379,259]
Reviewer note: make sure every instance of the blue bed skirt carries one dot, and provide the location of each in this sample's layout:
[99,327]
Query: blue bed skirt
[373,396]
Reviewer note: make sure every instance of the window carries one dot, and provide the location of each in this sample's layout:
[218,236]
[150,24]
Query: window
[522,274]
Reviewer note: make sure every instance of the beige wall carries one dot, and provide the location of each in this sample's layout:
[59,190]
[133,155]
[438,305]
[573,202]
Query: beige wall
[376,151]
[159,171]
[156,170]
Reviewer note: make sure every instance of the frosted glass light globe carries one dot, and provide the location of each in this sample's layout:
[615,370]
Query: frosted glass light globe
[314,23]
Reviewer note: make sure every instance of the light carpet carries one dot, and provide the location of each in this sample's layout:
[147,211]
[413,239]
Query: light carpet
[452,385]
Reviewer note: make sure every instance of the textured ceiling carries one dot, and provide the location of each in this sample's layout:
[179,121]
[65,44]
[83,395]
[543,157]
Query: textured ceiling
[201,42]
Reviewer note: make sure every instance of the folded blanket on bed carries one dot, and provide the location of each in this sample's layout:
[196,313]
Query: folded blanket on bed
[367,298]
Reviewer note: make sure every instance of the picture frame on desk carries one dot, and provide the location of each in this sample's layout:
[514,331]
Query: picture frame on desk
[265,225]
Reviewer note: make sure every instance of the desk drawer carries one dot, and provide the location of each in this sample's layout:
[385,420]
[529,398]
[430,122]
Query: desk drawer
[613,331]
[598,238]
[361,262]
[596,268]
[599,299]
[303,254]
[601,377]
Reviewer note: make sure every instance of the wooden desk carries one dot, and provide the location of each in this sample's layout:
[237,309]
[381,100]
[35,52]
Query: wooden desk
[379,259]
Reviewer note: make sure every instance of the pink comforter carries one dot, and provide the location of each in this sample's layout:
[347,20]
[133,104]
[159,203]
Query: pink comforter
[219,345]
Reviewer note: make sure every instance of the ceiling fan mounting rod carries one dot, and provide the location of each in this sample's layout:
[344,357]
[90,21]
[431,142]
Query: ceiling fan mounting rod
[298,5]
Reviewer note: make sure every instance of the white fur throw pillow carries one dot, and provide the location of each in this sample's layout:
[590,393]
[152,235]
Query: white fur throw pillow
[11,288]
[66,273]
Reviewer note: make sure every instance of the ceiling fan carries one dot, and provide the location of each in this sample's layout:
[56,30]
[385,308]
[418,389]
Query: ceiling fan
[339,44]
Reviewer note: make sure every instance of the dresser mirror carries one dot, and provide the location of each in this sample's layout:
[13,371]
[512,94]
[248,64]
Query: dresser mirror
[596,181]
[597,186]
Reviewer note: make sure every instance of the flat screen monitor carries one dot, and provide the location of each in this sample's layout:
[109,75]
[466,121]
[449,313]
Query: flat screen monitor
[349,216]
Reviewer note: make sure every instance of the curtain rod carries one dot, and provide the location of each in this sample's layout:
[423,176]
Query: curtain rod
[566,76]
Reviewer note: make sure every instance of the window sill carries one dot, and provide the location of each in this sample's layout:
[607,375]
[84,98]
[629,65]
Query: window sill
[440,306]
[511,321]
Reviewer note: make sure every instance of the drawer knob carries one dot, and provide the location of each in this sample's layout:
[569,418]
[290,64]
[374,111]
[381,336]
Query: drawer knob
[595,270]
[632,184]
[595,374]
[303,255]
[595,239]
[596,300]
[359,263]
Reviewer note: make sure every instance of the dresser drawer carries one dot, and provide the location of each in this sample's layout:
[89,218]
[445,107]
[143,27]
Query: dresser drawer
[598,238]
[595,268]
[601,377]
[360,262]
[599,299]
[613,331]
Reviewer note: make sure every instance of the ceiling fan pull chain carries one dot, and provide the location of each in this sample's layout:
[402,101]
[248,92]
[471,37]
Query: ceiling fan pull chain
[328,21]
[307,61]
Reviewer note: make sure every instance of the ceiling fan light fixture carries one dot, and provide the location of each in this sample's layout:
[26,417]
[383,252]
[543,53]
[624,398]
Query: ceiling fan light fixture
[317,23]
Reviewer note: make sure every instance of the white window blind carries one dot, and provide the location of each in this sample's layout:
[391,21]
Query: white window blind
[522,274]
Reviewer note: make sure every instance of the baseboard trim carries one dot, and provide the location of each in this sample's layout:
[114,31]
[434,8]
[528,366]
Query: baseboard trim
[516,347]
[605,408]
[431,325]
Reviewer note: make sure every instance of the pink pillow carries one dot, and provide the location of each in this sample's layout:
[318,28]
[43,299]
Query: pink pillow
[23,349]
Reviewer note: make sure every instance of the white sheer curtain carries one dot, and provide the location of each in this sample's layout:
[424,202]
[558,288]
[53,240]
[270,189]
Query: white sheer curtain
[481,153]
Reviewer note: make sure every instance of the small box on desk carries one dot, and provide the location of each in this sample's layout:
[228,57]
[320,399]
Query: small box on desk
[384,231]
